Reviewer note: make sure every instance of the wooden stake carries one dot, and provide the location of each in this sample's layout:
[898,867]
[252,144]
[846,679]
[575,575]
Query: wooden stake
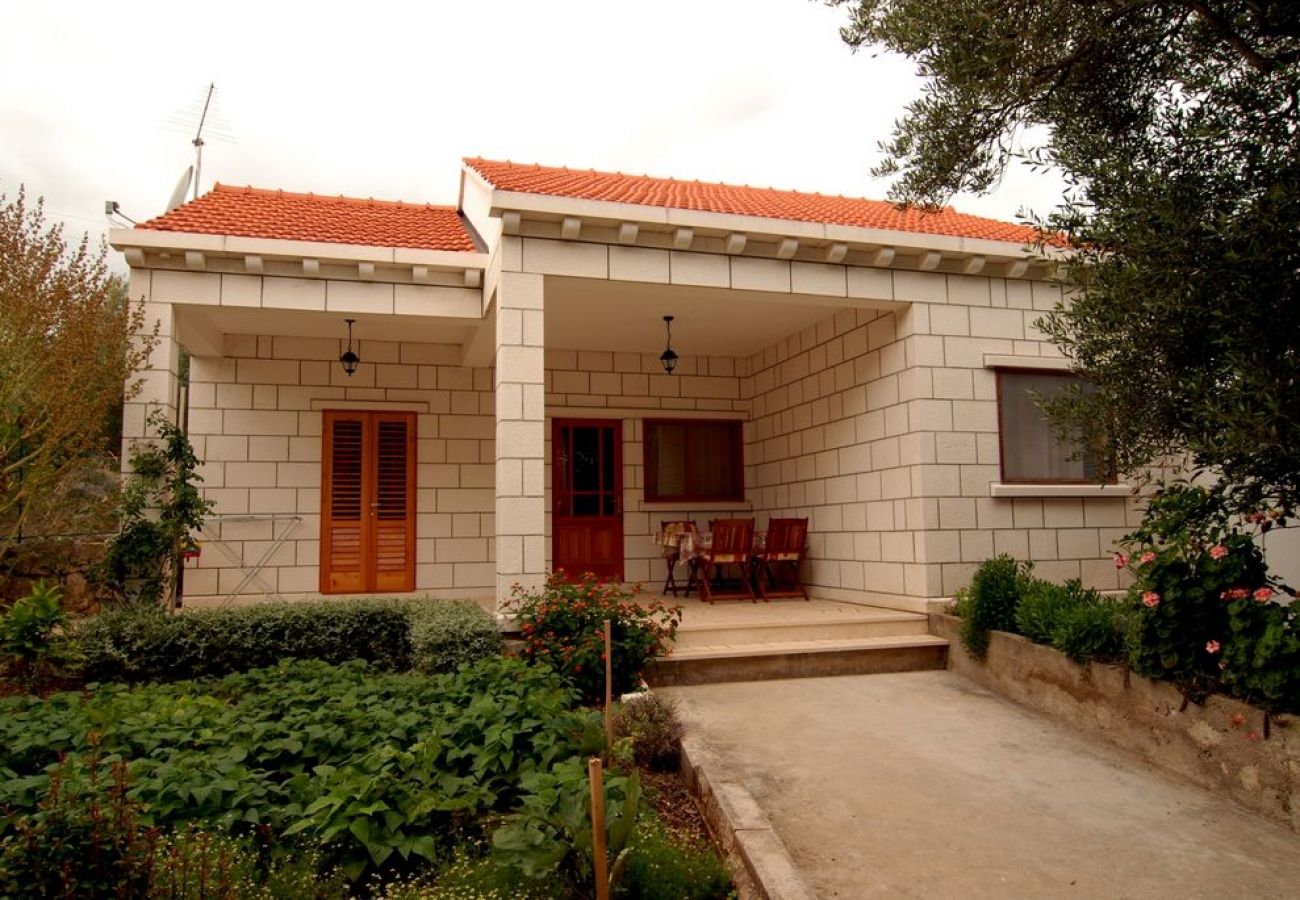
[609,688]
[596,774]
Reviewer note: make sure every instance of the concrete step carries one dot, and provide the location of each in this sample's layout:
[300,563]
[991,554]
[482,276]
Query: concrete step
[809,628]
[704,664]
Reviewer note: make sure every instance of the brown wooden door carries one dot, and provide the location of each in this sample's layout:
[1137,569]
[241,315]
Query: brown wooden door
[368,502]
[587,497]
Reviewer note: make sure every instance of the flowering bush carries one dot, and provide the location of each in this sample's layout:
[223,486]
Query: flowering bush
[563,626]
[1191,564]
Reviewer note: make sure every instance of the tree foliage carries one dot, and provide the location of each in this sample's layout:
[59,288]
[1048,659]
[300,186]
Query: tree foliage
[66,355]
[1177,126]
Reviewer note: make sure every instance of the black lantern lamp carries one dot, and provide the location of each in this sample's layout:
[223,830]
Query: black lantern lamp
[349,359]
[668,358]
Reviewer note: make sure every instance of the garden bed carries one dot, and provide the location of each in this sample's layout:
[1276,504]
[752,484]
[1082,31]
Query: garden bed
[1221,744]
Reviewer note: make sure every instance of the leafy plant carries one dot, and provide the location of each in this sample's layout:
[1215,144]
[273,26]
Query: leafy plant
[1042,607]
[161,508]
[32,645]
[991,601]
[551,834]
[84,839]
[1089,630]
[1261,654]
[193,864]
[659,869]
[445,635]
[563,627]
[1188,560]
[651,722]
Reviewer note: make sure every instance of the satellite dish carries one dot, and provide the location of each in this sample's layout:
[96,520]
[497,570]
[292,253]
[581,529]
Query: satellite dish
[182,188]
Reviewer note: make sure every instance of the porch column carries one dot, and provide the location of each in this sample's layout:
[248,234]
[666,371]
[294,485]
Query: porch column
[159,376]
[520,434]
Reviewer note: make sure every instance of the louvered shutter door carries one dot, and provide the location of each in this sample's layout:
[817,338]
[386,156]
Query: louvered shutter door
[345,556]
[394,531]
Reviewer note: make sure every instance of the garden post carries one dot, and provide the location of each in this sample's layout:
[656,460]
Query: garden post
[596,774]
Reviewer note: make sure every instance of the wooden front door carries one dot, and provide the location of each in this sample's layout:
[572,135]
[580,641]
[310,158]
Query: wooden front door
[587,497]
[368,502]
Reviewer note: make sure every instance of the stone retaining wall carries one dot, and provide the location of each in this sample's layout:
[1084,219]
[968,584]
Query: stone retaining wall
[1219,745]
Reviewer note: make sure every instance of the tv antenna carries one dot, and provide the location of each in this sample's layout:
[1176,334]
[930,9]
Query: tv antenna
[207,116]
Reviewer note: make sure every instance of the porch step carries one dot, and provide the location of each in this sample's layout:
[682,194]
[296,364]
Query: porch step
[875,623]
[710,663]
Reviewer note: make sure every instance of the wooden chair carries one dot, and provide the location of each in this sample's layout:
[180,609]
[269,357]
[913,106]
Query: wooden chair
[673,555]
[782,550]
[732,545]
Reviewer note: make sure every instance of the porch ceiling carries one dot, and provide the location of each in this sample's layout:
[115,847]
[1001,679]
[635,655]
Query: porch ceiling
[593,314]
[200,328]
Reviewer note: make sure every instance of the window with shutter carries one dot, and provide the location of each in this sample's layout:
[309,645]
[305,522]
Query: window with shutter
[368,502]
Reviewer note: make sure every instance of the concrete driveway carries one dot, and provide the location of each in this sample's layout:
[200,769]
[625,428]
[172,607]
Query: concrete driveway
[923,784]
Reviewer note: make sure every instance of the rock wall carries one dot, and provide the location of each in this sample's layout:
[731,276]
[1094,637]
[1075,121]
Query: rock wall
[1220,745]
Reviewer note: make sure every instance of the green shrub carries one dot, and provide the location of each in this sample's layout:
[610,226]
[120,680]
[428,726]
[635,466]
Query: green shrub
[1261,654]
[991,601]
[650,721]
[32,645]
[659,869]
[1042,607]
[445,634]
[563,627]
[1088,629]
[1189,561]
[193,864]
[144,643]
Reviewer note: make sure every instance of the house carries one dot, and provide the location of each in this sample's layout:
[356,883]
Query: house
[839,359]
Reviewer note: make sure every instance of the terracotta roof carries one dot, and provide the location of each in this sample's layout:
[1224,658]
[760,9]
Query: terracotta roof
[767,203]
[253,212]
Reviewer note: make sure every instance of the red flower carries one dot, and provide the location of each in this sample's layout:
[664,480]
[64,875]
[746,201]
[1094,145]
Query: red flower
[1120,560]
[1211,646]
[1218,551]
[1147,557]
[1150,599]
[1264,594]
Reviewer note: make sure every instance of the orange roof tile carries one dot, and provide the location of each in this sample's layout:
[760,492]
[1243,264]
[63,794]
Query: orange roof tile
[253,212]
[767,203]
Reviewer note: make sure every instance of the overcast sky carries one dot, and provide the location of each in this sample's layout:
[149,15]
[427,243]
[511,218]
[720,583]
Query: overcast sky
[383,100]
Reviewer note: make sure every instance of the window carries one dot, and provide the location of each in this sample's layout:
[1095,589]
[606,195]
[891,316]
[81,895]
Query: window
[694,459]
[1031,454]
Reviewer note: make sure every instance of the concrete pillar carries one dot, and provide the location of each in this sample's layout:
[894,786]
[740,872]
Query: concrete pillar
[520,434]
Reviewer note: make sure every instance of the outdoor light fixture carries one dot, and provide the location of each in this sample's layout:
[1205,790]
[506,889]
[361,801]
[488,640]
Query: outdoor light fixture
[349,359]
[668,357]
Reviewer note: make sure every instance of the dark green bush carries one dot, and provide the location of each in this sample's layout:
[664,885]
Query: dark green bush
[445,634]
[1261,655]
[991,601]
[1041,608]
[145,643]
[659,869]
[1089,629]
[650,721]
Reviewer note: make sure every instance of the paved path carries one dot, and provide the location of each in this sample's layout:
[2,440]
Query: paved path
[925,785]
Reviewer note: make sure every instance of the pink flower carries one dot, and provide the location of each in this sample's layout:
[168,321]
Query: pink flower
[1120,560]
[1257,517]
[1237,593]
[1147,557]
[1264,594]
[1211,646]
[1218,551]
[1151,599]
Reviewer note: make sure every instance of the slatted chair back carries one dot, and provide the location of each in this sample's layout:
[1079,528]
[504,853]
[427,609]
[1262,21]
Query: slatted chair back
[782,552]
[785,540]
[733,541]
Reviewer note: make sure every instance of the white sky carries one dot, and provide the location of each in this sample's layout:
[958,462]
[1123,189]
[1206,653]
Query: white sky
[383,99]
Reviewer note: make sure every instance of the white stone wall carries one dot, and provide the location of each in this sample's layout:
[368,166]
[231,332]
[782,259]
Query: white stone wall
[882,429]
[255,420]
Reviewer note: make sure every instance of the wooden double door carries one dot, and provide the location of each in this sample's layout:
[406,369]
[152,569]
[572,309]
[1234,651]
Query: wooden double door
[587,497]
[368,502]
